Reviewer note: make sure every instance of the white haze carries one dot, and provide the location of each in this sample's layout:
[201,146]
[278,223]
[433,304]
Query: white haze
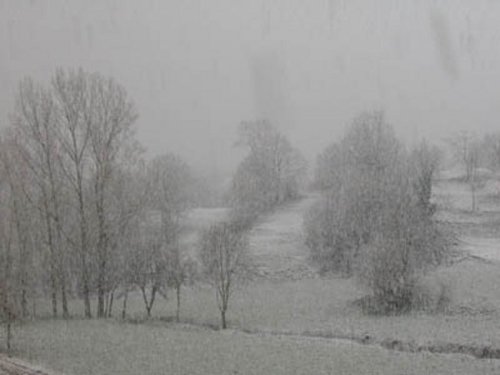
[196,68]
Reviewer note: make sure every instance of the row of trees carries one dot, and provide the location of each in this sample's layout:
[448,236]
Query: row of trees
[374,220]
[81,213]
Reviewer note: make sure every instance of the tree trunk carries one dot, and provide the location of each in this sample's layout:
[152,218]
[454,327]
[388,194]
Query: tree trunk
[83,242]
[124,307]
[24,303]
[178,293]
[473,191]
[34,308]
[100,303]
[223,318]
[86,300]
[54,296]
[101,281]
[110,306]
[106,306]
[149,304]
[9,335]
[64,301]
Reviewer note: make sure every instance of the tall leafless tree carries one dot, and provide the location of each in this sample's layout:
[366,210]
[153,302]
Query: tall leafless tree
[223,248]
[171,191]
[109,115]
[36,135]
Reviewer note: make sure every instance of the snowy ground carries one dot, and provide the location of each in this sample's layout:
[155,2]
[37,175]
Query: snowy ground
[276,243]
[100,347]
[479,230]
[287,304]
[277,247]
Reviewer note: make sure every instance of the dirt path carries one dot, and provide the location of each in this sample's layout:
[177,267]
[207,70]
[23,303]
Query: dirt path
[277,247]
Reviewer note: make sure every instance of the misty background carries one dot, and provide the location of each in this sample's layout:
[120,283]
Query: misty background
[196,69]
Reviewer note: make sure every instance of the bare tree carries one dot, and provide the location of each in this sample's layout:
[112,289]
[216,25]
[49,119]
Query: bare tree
[70,144]
[109,116]
[127,211]
[171,187]
[71,100]
[467,152]
[147,264]
[222,254]
[9,256]
[36,138]
[94,118]
[16,179]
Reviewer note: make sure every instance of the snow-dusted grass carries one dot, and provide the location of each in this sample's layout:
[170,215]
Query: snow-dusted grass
[325,307]
[104,347]
[277,244]
[310,306]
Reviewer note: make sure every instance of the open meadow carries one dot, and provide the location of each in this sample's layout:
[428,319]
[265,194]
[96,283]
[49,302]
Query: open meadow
[287,319]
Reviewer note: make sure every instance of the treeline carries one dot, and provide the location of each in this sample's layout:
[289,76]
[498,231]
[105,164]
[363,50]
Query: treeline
[375,218]
[82,214]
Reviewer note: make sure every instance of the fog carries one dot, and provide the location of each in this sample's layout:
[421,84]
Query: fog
[196,69]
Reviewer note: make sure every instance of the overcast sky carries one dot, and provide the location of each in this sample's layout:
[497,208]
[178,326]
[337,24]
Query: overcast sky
[197,68]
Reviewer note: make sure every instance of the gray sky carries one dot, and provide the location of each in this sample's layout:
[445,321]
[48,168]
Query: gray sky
[196,68]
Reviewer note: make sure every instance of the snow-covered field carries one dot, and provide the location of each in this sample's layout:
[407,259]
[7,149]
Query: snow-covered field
[287,304]
[277,246]
[479,230]
[98,347]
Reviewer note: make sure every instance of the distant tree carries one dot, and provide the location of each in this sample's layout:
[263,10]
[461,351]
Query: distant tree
[271,173]
[223,258]
[329,167]
[424,161]
[466,150]
[490,146]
